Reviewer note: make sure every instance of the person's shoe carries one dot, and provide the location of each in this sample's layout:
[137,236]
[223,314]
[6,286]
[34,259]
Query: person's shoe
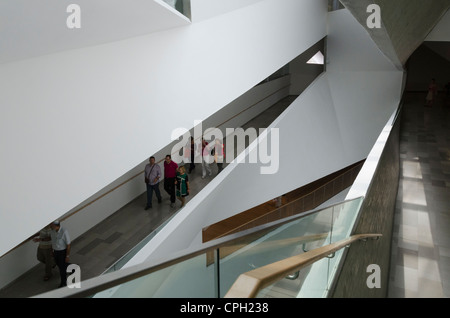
[203,177]
[46,278]
[172,205]
[147,207]
[159,201]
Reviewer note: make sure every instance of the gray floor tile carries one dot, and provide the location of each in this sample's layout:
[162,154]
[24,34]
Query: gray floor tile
[422,236]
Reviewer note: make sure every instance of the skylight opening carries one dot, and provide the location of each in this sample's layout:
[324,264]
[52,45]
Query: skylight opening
[317,59]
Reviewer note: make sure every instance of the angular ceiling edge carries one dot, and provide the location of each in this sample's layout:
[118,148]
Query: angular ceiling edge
[440,32]
[36,28]
[405,24]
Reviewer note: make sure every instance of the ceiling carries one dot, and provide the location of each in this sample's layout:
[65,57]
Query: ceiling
[405,24]
[38,27]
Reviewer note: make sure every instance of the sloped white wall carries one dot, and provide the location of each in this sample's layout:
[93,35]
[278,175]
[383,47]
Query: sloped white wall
[206,9]
[310,147]
[311,144]
[333,124]
[73,122]
[106,202]
[365,85]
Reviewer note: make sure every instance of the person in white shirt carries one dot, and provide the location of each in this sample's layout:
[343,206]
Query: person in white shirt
[61,250]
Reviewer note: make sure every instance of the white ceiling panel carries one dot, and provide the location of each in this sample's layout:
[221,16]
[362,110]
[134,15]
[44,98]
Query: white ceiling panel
[30,28]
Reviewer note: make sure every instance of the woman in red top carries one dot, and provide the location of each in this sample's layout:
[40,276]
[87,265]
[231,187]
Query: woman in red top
[170,173]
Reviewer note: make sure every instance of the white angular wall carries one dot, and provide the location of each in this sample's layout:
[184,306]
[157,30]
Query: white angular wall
[333,124]
[73,122]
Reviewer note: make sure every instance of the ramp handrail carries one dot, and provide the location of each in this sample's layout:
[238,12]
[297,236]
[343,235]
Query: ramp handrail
[250,283]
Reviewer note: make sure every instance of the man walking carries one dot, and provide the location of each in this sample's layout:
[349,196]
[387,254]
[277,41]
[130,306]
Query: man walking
[170,173]
[152,175]
[61,250]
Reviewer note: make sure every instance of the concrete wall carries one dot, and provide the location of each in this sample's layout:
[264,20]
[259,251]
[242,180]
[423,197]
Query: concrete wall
[376,216]
[440,31]
[404,26]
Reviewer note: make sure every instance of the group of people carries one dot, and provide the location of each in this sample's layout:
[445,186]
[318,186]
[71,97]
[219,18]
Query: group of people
[176,180]
[211,153]
[54,250]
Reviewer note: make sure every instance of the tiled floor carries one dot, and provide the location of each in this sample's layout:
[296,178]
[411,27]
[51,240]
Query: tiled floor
[420,265]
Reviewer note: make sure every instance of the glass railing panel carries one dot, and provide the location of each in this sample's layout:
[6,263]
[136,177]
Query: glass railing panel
[290,286]
[322,273]
[210,273]
[192,278]
[294,238]
[285,241]
[344,218]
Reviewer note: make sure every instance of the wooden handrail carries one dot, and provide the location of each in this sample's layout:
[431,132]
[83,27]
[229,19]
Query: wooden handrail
[249,284]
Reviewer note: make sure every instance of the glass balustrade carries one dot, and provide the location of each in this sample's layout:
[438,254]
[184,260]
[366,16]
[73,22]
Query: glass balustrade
[191,278]
[211,273]
[313,231]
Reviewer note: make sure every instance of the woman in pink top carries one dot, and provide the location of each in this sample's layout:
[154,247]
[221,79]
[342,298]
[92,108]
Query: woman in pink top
[170,173]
